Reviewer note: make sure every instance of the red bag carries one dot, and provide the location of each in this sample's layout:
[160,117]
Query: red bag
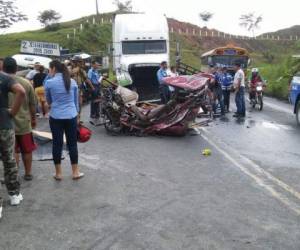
[83,134]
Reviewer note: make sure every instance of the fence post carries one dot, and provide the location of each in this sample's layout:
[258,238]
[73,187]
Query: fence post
[212,34]
[278,38]
[81,27]
[179,31]
[172,30]
[194,32]
[296,37]
[187,31]
[206,33]
[200,33]
[94,20]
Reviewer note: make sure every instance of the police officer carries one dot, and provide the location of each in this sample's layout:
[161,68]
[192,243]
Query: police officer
[217,90]
[226,80]
[164,90]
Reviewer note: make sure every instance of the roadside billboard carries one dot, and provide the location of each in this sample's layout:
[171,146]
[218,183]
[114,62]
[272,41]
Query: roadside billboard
[40,48]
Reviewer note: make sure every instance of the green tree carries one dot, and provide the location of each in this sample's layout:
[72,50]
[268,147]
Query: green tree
[9,14]
[250,22]
[49,17]
[205,17]
[123,6]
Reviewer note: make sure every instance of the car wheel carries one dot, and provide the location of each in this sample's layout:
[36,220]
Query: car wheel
[298,113]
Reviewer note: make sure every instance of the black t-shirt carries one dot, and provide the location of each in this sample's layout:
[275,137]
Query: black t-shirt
[6,83]
[38,79]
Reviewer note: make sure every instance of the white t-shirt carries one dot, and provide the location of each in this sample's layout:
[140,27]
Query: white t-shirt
[239,76]
[31,74]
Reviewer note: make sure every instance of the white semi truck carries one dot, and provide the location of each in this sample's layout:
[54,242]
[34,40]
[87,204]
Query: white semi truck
[140,44]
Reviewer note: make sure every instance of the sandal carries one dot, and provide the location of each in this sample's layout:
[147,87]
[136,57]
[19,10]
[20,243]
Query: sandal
[80,176]
[57,178]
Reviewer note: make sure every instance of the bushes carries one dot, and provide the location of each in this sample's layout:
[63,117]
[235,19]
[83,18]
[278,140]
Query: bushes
[279,76]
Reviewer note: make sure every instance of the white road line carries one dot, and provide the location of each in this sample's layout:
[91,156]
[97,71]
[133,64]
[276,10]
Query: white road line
[260,176]
[277,107]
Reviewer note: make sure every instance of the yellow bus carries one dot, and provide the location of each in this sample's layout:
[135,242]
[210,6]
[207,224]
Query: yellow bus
[226,57]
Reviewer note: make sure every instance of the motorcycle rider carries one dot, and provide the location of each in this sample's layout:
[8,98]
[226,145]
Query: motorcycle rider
[254,80]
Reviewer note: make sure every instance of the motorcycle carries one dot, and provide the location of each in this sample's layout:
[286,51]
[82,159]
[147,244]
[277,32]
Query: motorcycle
[123,114]
[256,95]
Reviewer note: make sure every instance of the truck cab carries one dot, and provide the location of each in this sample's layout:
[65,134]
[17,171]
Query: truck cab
[295,95]
[140,44]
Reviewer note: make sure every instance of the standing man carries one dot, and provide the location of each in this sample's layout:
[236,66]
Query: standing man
[226,87]
[163,88]
[95,78]
[217,90]
[80,76]
[25,119]
[239,87]
[7,136]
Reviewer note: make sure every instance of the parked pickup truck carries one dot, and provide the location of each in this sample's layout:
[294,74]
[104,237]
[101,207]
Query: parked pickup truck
[295,95]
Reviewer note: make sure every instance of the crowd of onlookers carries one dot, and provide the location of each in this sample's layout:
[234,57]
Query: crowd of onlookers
[55,93]
[220,88]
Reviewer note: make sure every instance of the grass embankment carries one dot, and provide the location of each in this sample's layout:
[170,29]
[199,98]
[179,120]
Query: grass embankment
[95,38]
[278,75]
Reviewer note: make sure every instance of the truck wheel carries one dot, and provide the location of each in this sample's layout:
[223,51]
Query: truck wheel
[298,113]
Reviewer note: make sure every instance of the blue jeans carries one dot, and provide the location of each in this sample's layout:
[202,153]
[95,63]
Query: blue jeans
[95,106]
[59,127]
[164,93]
[240,101]
[219,96]
[226,96]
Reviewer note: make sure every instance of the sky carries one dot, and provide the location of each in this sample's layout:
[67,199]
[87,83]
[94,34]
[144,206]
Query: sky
[276,14]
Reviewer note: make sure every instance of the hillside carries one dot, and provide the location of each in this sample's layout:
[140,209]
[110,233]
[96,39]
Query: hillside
[292,31]
[267,54]
[94,38]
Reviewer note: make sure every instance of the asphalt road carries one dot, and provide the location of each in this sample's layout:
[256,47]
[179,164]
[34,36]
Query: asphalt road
[162,193]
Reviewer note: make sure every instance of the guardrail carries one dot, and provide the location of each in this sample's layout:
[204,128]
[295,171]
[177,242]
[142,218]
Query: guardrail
[217,34]
[202,33]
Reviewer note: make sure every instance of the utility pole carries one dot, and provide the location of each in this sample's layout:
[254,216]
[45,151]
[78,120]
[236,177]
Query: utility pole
[97,8]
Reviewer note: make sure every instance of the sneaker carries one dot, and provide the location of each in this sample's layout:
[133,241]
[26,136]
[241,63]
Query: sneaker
[15,200]
[28,177]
